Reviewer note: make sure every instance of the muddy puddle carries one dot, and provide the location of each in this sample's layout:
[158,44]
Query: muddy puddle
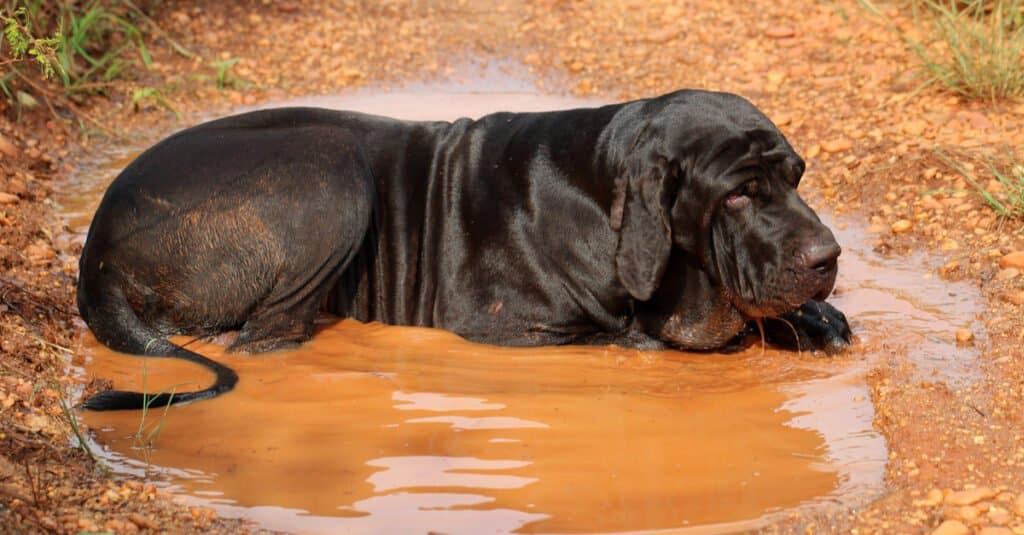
[376,429]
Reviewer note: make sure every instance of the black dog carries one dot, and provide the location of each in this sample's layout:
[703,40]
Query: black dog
[673,220]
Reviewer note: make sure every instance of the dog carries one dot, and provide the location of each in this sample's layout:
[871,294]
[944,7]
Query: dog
[670,221]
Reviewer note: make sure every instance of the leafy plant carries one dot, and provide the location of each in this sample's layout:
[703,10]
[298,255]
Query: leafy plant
[85,45]
[18,36]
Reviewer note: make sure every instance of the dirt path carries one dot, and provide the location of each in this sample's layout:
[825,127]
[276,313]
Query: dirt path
[836,81]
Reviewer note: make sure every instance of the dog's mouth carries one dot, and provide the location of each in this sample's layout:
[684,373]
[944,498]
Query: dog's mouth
[771,308]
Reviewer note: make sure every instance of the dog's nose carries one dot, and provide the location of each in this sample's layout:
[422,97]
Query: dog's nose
[821,257]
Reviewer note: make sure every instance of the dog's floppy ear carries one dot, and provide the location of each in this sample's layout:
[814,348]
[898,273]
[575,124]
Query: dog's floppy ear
[640,214]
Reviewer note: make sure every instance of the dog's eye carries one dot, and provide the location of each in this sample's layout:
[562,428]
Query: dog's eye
[740,197]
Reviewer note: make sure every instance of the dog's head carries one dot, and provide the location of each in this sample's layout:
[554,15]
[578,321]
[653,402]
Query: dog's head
[711,176]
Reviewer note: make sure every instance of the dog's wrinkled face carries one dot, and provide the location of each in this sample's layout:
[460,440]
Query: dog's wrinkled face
[728,182]
[764,245]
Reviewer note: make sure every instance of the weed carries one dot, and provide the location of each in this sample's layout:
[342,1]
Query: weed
[62,399]
[85,45]
[974,47]
[148,432]
[1004,193]
[72,420]
[225,78]
[146,94]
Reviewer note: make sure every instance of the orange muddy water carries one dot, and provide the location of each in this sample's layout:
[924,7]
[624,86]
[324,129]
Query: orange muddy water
[377,429]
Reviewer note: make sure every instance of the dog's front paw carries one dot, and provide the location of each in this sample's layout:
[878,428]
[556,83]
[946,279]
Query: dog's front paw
[816,325]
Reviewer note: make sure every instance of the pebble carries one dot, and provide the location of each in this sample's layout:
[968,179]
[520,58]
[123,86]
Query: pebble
[17,187]
[1012,260]
[663,36]
[8,198]
[914,128]
[1007,274]
[40,252]
[902,225]
[7,147]
[970,496]
[964,336]
[995,530]
[142,521]
[999,516]
[952,527]
[837,145]
[779,32]
[934,497]
[1018,505]
[1015,297]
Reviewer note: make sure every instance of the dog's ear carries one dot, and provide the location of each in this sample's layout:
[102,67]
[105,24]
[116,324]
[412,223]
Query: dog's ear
[640,213]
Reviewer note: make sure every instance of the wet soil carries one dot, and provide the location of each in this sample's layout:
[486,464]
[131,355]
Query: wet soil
[835,79]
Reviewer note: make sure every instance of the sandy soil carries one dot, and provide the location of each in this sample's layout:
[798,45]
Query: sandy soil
[838,82]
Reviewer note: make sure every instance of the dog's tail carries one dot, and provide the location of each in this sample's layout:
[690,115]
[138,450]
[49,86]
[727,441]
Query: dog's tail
[106,311]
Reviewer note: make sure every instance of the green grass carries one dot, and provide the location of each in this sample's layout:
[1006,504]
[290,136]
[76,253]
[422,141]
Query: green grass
[1008,199]
[85,45]
[146,435]
[972,47]
[54,51]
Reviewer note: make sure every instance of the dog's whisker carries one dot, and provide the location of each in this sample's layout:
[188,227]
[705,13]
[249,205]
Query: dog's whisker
[796,335]
[760,329]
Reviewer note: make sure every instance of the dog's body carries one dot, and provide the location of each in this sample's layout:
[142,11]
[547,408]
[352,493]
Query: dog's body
[671,220]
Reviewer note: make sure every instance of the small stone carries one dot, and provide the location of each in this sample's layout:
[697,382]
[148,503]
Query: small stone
[952,527]
[7,147]
[1018,505]
[351,73]
[779,32]
[1015,297]
[663,36]
[967,512]
[8,198]
[949,245]
[914,127]
[964,336]
[40,252]
[995,530]
[1007,274]
[970,496]
[142,521]
[999,516]
[1012,260]
[17,187]
[934,497]
[902,225]
[837,145]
